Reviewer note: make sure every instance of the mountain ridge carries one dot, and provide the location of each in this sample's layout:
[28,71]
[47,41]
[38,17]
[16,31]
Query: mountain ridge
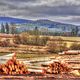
[20,20]
[42,24]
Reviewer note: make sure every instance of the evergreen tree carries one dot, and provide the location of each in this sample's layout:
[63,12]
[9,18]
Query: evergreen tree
[13,28]
[2,28]
[36,31]
[76,30]
[7,28]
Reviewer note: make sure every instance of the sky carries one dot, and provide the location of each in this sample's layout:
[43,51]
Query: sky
[67,11]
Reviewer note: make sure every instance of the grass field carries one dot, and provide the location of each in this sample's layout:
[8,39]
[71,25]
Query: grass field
[38,55]
[1,54]
[68,38]
[31,56]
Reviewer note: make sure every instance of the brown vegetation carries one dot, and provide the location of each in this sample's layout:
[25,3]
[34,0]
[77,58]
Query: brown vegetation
[27,39]
[56,46]
[75,46]
[6,43]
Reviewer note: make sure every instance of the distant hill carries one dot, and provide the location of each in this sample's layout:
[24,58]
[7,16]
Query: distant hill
[13,20]
[42,24]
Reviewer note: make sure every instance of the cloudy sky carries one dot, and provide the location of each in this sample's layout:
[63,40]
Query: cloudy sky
[67,11]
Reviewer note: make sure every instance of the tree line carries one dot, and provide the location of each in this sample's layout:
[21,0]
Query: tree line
[8,28]
[74,32]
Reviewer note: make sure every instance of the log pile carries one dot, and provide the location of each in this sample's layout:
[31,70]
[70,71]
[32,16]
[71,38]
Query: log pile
[13,67]
[57,68]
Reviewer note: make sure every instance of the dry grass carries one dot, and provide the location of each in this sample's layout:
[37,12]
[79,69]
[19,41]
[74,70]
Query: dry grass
[1,54]
[33,55]
[68,38]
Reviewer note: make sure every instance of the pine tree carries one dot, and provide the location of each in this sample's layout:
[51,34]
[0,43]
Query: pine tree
[36,31]
[76,30]
[7,28]
[73,32]
[2,28]
[13,28]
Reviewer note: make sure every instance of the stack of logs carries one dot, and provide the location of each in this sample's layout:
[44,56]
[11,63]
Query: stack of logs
[57,68]
[13,66]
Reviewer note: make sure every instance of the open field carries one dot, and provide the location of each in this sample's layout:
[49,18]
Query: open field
[29,48]
[39,49]
[67,38]
[33,50]
[32,55]
[35,56]
[1,54]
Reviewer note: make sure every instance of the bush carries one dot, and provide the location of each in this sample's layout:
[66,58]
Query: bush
[17,39]
[27,39]
[55,47]
[75,46]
